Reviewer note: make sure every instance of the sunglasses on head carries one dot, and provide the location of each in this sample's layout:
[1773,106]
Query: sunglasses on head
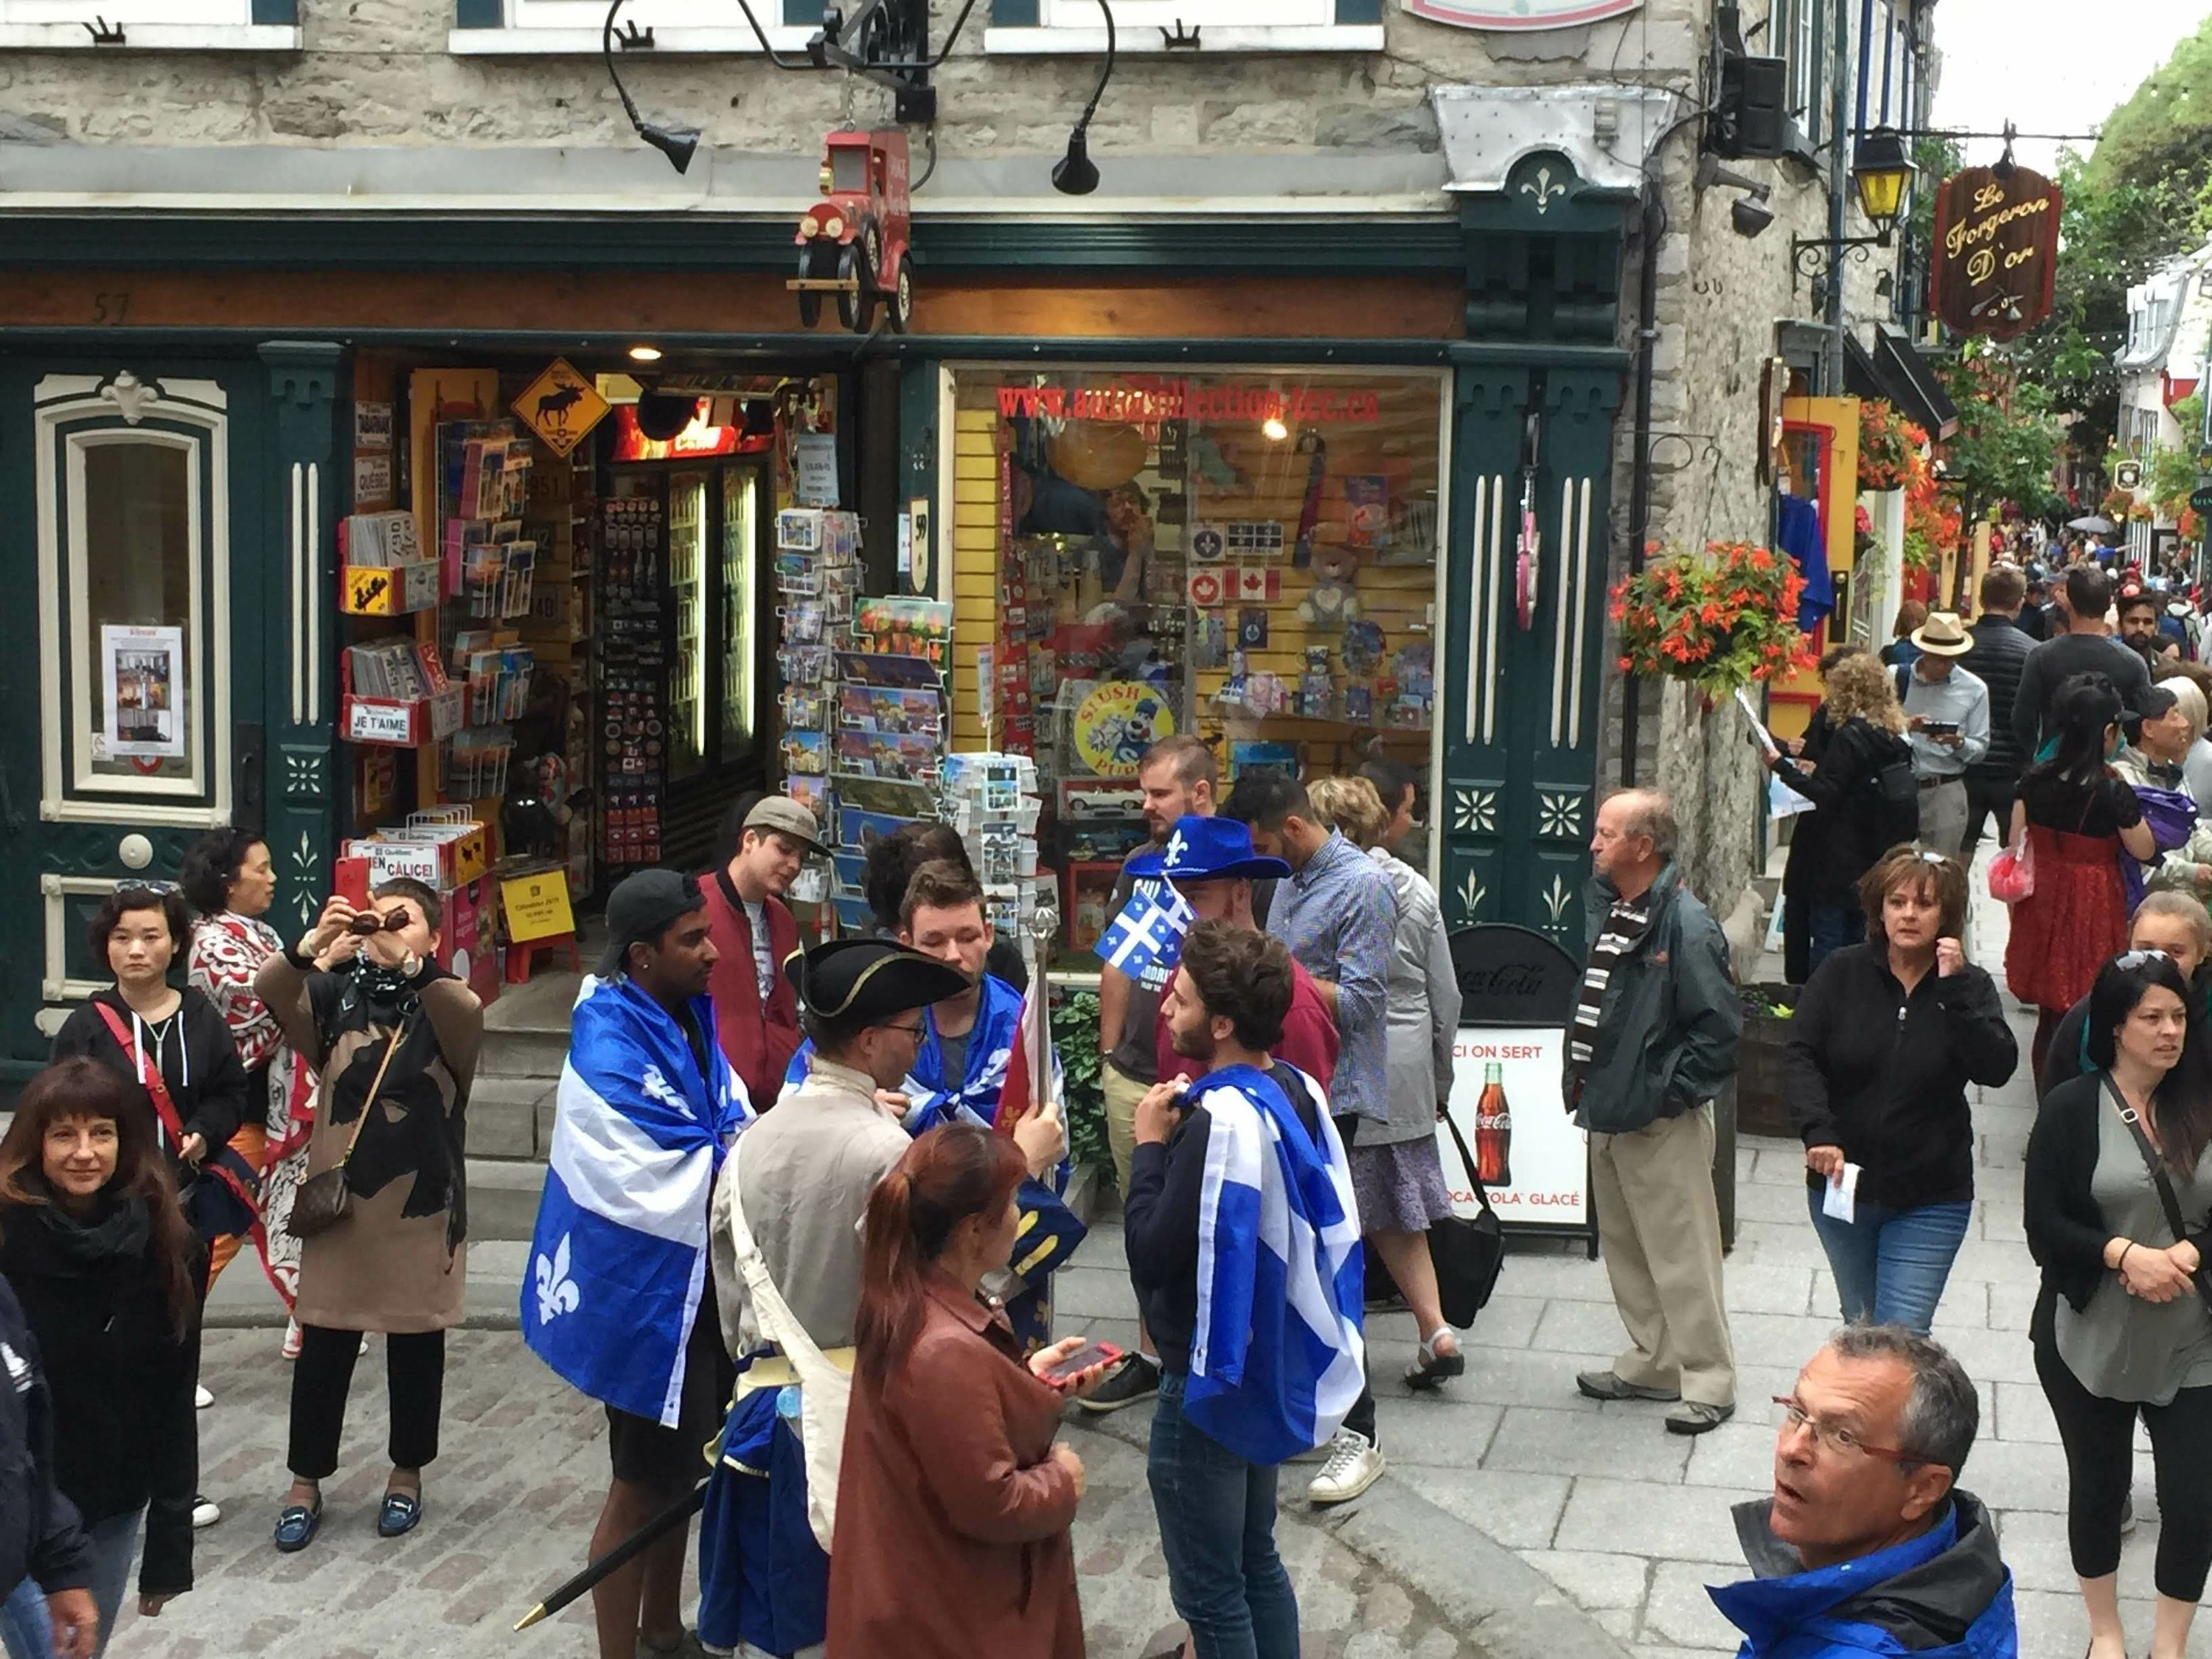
[368,921]
[2130,960]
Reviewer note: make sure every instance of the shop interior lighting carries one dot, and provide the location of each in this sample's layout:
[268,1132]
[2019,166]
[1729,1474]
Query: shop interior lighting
[644,353]
[1075,174]
[1274,430]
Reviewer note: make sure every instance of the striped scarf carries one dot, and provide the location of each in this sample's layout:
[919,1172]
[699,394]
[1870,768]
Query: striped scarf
[1625,925]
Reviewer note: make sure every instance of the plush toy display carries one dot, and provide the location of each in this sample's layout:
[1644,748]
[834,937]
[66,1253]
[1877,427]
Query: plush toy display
[1333,602]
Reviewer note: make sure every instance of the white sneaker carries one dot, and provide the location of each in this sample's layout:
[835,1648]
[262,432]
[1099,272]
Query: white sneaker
[1355,1463]
[205,1512]
[201,1398]
[291,1348]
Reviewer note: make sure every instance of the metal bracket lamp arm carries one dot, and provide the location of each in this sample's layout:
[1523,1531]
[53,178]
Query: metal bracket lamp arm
[1075,174]
[677,143]
[1817,257]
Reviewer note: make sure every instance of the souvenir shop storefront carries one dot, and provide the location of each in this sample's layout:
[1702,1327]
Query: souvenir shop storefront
[503,555]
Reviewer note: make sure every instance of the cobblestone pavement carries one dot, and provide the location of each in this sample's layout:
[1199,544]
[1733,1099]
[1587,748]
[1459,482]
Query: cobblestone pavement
[512,1500]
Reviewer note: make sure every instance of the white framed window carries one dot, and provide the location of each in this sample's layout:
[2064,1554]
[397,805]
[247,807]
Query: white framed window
[133,511]
[1157,27]
[682,27]
[150,25]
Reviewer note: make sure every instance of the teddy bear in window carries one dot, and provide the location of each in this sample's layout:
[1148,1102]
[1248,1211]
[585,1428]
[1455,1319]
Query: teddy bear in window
[1332,601]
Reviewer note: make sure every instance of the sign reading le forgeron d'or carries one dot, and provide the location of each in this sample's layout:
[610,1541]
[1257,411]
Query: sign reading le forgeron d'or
[1997,250]
[1520,13]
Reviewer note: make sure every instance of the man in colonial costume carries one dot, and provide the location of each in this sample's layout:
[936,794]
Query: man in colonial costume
[786,1250]
[961,1075]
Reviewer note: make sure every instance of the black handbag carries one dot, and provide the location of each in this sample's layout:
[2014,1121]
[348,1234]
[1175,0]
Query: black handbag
[2203,1277]
[1468,1250]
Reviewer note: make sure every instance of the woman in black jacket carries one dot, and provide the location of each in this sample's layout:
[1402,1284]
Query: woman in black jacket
[1855,821]
[106,1269]
[2120,1329]
[1885,1039]
[173,1053]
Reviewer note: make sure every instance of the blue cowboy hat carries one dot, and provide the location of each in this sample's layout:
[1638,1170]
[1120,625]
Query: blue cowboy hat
[1208,849]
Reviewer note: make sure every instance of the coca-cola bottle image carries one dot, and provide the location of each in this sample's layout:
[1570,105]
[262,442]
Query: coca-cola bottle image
[1494,1131]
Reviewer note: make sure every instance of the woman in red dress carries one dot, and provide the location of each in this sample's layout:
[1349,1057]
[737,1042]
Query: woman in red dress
[2077,814]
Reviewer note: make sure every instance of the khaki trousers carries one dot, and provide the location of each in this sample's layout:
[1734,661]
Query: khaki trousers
[1122,1095]
[1659,1226]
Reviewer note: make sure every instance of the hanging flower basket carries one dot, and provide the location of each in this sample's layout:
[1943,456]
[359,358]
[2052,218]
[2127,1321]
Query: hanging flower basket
[1717,619]
[1886,454]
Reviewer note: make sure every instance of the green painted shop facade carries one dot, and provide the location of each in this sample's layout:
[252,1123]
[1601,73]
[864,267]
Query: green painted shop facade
[191,478]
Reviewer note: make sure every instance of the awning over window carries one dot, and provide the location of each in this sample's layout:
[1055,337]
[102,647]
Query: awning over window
[1894,372]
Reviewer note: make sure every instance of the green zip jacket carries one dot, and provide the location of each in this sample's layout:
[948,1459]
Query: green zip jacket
[1670,1022]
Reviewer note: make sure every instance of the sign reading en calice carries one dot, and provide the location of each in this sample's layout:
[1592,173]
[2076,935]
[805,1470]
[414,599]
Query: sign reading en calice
[1997,250]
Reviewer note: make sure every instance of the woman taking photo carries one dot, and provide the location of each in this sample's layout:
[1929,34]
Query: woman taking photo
[1397,1175]
[108,1272]
[1864,799]
[228,879]
[1886,1038]
[953,1501]
[2115,1159]
[2077,815]
[394,1037]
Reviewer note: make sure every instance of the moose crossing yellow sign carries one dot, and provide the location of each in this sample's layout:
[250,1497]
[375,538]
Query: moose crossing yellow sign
[561,406]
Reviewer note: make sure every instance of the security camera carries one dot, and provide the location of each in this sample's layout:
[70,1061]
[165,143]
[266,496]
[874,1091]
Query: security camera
[1749,218]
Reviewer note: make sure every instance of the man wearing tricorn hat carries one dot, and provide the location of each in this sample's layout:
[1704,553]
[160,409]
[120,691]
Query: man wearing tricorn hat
[786,1250]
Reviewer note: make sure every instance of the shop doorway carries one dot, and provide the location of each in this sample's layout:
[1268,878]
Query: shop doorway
[138,653]
[715,530]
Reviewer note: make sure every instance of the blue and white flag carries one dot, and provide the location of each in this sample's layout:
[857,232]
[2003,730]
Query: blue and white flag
[1277,1359]
[1144,942]
[618,1259]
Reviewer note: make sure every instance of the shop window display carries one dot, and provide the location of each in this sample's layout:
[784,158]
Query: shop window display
[1252,557]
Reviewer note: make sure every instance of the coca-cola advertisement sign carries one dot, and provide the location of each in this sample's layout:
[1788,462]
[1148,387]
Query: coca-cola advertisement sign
[1506,1099]
[1995,257]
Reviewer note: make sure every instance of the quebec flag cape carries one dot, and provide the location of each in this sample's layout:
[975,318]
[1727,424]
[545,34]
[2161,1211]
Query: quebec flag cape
[1276,1358]
[618,1259]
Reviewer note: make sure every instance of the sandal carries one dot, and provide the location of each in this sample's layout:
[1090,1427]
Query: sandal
[401,1511]
[1431,1367]
[296,1526]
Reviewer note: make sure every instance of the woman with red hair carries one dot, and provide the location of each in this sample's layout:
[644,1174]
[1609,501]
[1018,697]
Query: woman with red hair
[953,1501]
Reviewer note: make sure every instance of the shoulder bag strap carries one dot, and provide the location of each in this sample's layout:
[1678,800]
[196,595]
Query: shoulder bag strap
[376,1085]
[2166,1200]
[155,1085]
[1466,1162]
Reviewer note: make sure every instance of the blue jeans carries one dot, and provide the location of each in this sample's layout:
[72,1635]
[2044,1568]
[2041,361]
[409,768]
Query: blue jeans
[1890,1265]
[1831,927]
[1216,1515]
[26,1630]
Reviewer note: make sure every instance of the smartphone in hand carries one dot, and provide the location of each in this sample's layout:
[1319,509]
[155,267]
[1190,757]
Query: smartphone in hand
[1091,1354]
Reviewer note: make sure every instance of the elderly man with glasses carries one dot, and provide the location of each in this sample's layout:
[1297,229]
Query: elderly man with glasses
[1868,1544]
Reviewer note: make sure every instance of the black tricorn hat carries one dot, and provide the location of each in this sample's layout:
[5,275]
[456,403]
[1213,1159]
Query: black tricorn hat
[870,980]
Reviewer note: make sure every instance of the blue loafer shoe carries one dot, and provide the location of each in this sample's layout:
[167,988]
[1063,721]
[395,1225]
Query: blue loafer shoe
[402,1510]
[296,1526]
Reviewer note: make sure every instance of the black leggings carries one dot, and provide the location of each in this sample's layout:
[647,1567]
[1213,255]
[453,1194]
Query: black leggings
[2099,1435]
[414,1373]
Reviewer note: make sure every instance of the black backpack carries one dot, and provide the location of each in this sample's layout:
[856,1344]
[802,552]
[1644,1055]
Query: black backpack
[1896,794]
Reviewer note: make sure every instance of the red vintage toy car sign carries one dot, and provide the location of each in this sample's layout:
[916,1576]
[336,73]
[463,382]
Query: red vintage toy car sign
[854,243]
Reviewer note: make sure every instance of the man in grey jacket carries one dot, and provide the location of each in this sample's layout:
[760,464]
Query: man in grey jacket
[1654,1040]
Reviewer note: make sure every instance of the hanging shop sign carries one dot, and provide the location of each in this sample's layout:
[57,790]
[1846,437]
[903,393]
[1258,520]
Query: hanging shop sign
[561,407]
[1118,722]
[1997,250]
[1520,13]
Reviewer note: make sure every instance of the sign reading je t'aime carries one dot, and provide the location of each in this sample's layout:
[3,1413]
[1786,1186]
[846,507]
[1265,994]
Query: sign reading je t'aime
[1520,13]
[1997,250]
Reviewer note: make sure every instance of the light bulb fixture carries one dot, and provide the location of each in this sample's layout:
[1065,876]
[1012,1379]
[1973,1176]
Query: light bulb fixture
[1075,174]
[1882,168]
[1273,430]
[678,144]
[644,353]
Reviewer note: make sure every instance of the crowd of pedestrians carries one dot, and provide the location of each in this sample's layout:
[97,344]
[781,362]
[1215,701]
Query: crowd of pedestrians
[804,1205]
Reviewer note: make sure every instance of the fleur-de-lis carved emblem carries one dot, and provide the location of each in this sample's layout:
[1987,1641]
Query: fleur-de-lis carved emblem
[1543,190]
[557,1292]
[1556,900]
[131,395]
[1471,893]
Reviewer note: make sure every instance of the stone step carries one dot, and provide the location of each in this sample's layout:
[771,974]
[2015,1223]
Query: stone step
[503,1196]
[511,1117]
[527,1052]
